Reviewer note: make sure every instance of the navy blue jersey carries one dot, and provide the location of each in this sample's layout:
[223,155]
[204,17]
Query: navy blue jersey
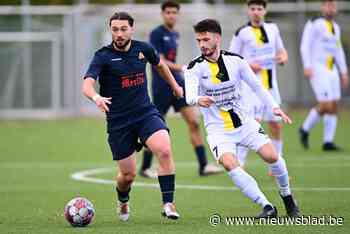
[122,76]
[165,42]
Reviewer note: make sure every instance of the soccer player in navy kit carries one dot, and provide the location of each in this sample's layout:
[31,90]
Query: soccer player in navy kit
[120,70]
[164,39]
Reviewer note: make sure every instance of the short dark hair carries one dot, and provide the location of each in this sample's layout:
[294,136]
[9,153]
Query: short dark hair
[257,2]
[208,25]
[170,4]
[122,16]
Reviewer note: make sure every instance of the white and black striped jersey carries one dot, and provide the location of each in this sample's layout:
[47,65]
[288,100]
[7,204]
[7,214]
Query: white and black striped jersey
[222,81]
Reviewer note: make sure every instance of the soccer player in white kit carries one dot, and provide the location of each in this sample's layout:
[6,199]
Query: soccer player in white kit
[213,81]
[260,43]
[323,59]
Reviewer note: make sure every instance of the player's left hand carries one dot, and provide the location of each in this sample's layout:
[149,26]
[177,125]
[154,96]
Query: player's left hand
[178,91]
[344,81]
[285,117]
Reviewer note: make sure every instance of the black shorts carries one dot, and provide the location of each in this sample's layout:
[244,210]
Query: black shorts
[163,99]
[123,142]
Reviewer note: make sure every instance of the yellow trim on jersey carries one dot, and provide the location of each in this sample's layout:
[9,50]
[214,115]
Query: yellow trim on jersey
[329,25]
[214,70]
[265,78]
[258,36]
[330,62]
[330,59]
[226,117]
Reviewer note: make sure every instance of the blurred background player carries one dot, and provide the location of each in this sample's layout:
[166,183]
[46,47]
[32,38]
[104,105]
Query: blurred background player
[323,59]
[164,39]
[120,69]
[214,82]
[260,43]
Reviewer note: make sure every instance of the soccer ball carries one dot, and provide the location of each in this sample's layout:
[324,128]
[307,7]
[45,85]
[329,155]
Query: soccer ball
[79,212]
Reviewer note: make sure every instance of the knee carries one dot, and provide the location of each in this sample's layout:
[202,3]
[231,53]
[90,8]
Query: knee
[272,158]
[164,153]
[325,108]
[229,162]
[128,177]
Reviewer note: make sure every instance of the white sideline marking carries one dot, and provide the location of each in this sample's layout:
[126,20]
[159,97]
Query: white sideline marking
[85,177]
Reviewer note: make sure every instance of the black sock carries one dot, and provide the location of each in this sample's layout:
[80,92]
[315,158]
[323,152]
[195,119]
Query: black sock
[167,187]
[147,160]
[123,196]
[201,157]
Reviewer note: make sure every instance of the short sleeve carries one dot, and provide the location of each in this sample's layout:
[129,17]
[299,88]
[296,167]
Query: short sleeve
[151,54]
[95,67]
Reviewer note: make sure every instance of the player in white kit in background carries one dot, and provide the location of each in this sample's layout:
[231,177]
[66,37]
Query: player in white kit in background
[323,60]
[213,81]
[260,43]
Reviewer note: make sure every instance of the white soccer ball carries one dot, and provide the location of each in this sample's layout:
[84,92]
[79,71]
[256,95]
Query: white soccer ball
[79,212]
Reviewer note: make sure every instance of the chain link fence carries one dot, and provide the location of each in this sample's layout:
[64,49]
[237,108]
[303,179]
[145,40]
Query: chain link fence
[44,51]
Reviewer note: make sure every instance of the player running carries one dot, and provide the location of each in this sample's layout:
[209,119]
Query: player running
[164,39]
[323,59]
[120,71]
[260,43]
[214,82]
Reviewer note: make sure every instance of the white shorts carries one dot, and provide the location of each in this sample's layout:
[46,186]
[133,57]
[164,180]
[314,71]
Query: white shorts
[250,135]
[326,85]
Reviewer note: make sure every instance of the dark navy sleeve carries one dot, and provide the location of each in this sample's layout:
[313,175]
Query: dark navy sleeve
[151,54]
[95,67]
[156,41]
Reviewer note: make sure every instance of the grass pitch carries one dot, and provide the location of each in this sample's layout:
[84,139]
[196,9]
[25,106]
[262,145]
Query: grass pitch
[37,159]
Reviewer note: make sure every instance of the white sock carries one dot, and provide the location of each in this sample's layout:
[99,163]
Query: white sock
[330,126]
[241,155]
[248,186]
[312,119]
[279,170]
[278,145]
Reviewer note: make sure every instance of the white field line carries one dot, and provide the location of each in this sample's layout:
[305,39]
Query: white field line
[85,176]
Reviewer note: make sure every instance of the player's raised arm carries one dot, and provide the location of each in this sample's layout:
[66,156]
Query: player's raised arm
[305,48]
[248,76]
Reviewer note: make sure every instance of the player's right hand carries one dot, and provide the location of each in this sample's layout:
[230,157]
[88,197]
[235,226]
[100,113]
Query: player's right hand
[255,67]
[101,103]
[205,101]
[308,73]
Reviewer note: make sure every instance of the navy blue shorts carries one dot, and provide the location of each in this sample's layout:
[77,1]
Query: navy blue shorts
[123,142]
[164,99]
